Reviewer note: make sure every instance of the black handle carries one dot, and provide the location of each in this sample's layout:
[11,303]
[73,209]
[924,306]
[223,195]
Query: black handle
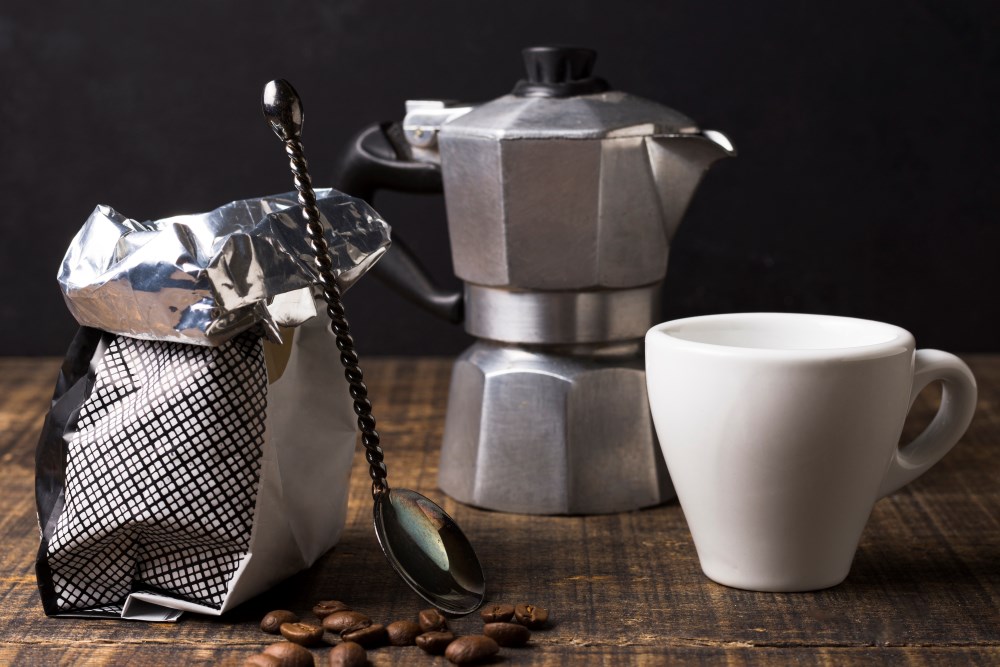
[379,158]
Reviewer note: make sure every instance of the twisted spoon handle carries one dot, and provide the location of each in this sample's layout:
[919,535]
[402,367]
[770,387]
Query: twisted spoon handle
[283,111]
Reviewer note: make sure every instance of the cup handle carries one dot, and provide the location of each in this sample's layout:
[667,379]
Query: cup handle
[958,403]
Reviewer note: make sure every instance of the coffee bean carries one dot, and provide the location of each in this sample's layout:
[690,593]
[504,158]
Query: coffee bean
[339,621]
[262,660]
[348,654]
[471,648]
[271,623]
[431,620]
[291,655]
[369,635]
[434,642]
[305,634]
[531,616]
[324,608]
[497,613]
[403,633]
[507,634]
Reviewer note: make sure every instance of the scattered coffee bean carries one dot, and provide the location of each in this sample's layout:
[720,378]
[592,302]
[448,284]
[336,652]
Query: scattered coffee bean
[271,623]
[339,621]
[291,655]
[471,648]
[262,660]
[431,620]
[357,632]
[497,613]
[435,642]
[369,635]
[348,654]
[305,634]
[507,634]
[531,616]
[403,633]
[324,608]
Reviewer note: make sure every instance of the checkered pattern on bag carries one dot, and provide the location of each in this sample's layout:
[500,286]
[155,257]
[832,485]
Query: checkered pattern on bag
[162,474]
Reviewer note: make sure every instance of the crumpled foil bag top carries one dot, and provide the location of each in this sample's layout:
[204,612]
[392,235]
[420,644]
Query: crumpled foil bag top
[204,278]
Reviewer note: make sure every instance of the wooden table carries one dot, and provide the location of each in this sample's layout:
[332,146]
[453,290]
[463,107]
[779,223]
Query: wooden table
[623,589]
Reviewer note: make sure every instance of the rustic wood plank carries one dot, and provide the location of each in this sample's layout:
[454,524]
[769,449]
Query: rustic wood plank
[597,656]
[624,589]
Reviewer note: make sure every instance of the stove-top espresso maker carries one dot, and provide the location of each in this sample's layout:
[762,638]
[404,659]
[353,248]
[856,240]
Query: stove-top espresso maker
[561,198]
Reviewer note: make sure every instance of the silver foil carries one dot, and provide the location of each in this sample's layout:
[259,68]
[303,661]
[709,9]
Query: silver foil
[204,278]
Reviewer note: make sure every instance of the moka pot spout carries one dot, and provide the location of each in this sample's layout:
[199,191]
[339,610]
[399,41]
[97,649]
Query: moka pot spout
[678,162]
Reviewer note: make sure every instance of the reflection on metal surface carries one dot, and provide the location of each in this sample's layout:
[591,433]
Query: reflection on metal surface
[561,213]
[204,278]
[429,551]
[565,317]
[536,432]
[423,120]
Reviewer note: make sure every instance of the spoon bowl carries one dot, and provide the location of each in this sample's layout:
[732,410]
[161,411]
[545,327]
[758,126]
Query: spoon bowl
[429,551]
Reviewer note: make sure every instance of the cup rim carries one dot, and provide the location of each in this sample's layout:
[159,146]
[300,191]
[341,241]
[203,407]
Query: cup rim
[893,339]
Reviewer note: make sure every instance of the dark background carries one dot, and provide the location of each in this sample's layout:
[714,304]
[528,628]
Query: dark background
[866,183]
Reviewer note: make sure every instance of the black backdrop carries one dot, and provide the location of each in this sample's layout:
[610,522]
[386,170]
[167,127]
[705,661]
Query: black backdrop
[867,131]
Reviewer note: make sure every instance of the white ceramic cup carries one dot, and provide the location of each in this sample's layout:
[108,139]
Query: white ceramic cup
[781,431]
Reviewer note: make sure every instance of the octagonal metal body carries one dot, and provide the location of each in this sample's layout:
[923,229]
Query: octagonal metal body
[538,432]
[566,194]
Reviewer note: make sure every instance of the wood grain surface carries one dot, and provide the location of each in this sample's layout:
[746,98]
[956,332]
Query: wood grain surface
[623,589]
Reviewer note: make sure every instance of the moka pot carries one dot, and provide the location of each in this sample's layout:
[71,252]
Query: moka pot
[561,199]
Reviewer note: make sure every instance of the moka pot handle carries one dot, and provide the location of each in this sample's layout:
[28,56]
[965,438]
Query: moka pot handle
[379,158]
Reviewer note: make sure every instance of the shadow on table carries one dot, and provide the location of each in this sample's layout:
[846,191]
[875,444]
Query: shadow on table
[887,565]
[355,572]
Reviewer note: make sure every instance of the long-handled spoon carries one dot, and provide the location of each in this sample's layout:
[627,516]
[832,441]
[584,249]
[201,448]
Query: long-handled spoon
[421,542]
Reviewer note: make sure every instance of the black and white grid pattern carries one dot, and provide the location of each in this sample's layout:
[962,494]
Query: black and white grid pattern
[161,474]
